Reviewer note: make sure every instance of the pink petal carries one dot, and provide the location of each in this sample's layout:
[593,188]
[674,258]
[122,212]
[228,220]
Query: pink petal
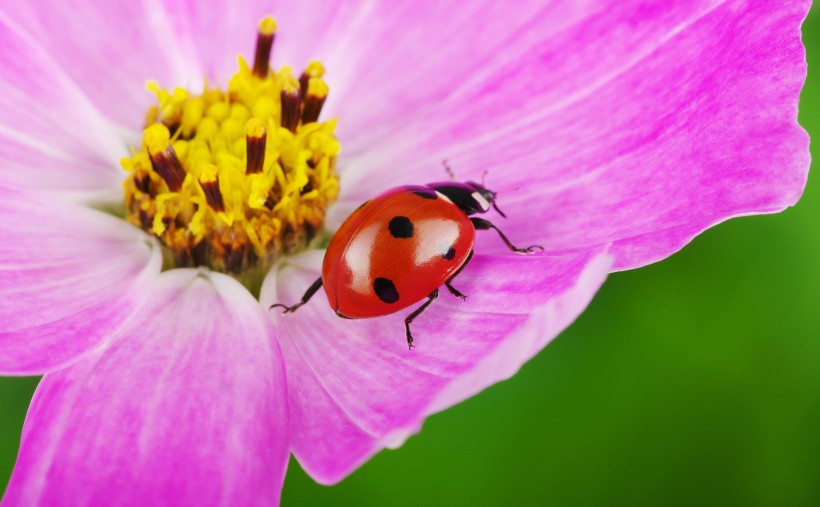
[186,407]
[226,28]
[415,57]
[69,277]
[639,125]
[355,388]
[176,42]
[109,49]
[51,136]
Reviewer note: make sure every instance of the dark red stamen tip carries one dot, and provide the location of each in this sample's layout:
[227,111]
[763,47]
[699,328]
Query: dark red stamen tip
[210,187]
[168,166]
[291,104]
[255,138]
[314,100]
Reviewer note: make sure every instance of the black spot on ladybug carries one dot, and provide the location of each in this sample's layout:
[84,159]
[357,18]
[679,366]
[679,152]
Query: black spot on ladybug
[450,254]
[401,227]
[425,194]
[385,290]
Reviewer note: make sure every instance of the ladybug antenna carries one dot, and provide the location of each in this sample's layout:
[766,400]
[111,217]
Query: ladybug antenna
[493,194]
[495,207]
[449,170]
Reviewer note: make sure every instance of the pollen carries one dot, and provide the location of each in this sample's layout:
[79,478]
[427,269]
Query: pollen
[232,178]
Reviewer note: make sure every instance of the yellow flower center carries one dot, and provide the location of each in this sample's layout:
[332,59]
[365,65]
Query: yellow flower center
[231,179]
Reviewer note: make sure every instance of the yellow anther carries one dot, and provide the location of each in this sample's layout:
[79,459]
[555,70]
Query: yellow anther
[255,128]
[317,87]
[315,69]
[208,173]
[267,26]
[156,138]
[287,82]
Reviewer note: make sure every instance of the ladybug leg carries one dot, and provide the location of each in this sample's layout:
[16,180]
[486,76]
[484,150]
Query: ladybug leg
[432,297]
[482,225]
[452,289]
[308,294]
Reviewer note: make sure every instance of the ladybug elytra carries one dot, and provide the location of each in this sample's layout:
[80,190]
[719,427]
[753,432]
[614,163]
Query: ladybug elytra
[401,247]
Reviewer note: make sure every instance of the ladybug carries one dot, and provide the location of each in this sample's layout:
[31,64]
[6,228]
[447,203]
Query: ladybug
[401,247]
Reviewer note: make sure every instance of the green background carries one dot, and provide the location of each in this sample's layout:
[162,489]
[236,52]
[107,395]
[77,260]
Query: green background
[695,381]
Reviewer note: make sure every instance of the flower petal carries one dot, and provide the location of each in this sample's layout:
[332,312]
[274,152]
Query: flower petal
[109,49]
[69,277]
[225,28]
[640,125]
[185,407]
[415,57]
[175,42]
[355,388]
[51,136]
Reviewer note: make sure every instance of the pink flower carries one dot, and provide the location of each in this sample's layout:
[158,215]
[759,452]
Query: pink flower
[613,132]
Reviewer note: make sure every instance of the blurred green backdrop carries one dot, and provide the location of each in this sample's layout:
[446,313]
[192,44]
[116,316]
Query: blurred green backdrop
[695,381]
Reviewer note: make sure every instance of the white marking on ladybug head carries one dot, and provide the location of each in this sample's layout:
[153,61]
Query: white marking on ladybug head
[442,196]
[484,203]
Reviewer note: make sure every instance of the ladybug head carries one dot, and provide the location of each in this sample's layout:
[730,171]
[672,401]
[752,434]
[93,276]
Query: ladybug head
[470,197]
[487,195]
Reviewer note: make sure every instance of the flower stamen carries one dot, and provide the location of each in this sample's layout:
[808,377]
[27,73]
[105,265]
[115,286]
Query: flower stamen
[209,181]
[291,103]
[314,69]
[255,139]
[317,91]
[264,45]
[163,157]
[230,179]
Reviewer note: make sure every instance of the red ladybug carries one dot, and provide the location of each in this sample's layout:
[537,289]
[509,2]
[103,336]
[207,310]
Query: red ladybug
[400,247]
